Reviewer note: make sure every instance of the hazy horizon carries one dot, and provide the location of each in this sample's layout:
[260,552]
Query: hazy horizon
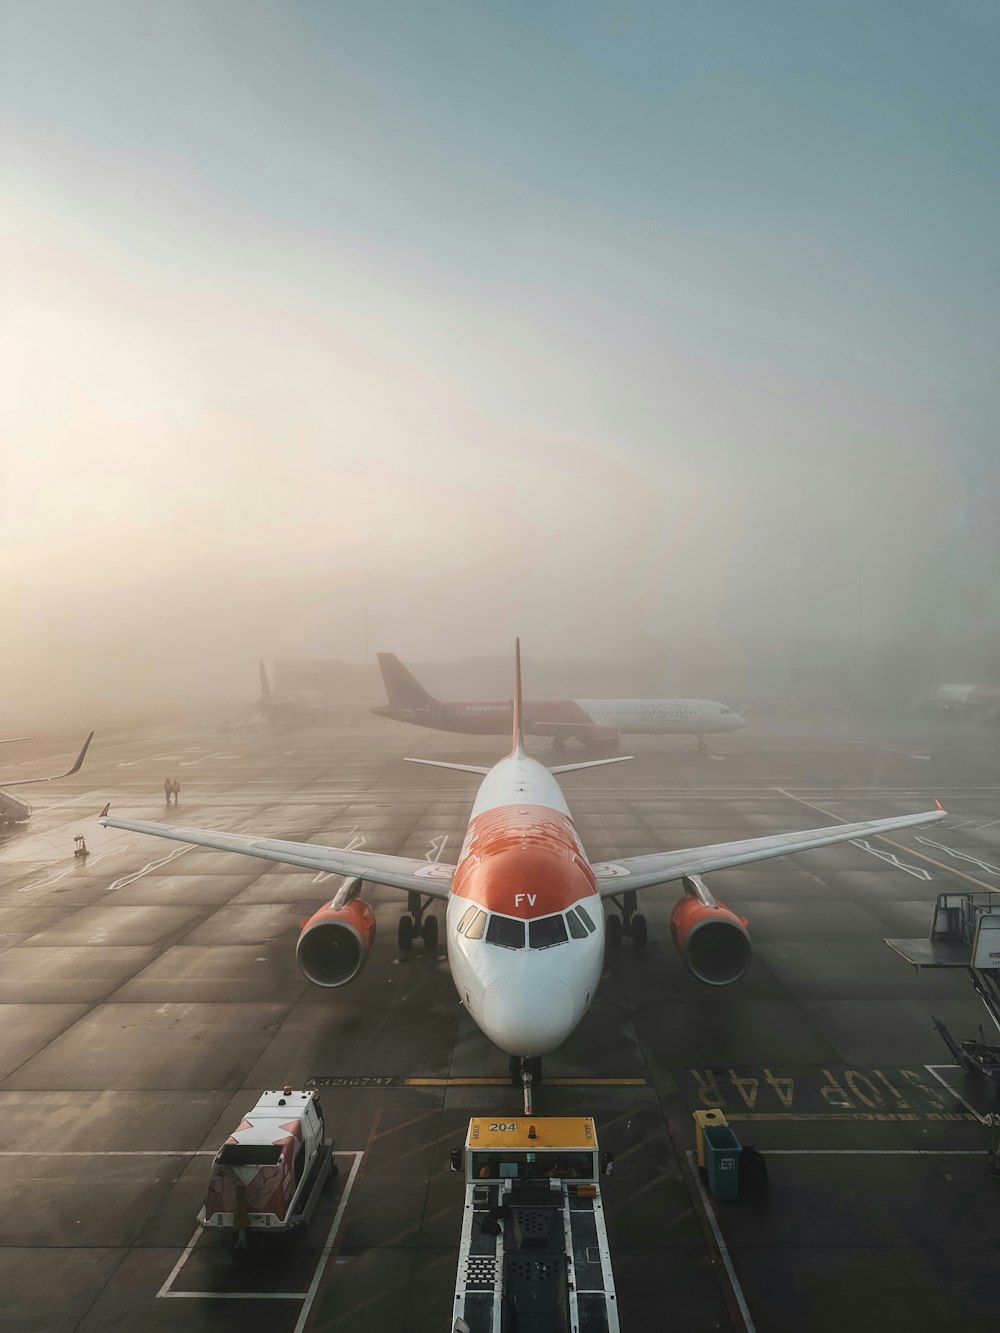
[638,330]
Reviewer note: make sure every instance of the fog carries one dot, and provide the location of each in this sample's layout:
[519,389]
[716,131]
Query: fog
[658,334]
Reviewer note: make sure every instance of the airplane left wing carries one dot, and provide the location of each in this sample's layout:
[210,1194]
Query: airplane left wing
[396,872]
[642,872]
[28,782]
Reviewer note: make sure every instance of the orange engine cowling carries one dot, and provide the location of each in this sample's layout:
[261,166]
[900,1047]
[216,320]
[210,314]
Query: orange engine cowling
[335,943]
[713,941]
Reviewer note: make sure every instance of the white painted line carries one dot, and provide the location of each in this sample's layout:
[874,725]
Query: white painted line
[933,1071]
[959,856]
[748,1323]
[328,1246]
[91,860]
[111,1152]
[165,1289]
[891,749]
[917,872]
[150,759]
[151,865]
[436,849]
[307,1297]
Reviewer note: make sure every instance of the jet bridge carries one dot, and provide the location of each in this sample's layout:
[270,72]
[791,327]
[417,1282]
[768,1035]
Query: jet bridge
[966,934]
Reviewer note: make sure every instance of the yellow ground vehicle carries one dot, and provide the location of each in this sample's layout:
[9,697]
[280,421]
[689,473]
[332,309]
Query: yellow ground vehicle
[534,1249]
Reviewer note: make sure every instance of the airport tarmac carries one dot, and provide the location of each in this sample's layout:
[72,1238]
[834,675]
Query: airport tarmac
[150,993]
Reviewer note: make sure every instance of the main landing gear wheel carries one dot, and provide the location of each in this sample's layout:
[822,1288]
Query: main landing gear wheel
[640,934]
[614,931]
[429,934]
[404,933]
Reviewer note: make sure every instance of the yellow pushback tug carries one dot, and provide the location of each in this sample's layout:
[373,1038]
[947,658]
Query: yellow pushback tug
[534,1252]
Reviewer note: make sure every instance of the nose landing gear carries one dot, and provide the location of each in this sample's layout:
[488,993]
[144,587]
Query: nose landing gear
[526,1074]
[631,923]
[413,923]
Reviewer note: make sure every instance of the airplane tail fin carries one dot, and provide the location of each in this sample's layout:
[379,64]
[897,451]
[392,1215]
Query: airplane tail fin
[518,740]
[265,687]
[401,688]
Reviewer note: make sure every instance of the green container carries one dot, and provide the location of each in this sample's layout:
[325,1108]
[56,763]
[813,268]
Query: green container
[722,1161]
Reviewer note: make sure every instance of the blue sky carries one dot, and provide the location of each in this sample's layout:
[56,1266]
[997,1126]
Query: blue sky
[686,312]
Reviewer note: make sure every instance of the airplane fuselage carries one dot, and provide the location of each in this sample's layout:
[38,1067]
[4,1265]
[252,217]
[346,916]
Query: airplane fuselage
[524,961]
[558,718]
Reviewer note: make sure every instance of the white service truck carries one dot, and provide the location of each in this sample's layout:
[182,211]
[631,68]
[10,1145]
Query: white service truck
[268,1175]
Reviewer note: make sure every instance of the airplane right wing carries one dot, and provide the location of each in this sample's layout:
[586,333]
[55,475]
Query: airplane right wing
[642,872]
[396,872]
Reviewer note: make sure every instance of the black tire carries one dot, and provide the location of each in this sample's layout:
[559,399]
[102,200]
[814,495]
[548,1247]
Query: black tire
[614,930]
[534,1067]
[404,933]
[429,934]
[514,1067]
[640,934]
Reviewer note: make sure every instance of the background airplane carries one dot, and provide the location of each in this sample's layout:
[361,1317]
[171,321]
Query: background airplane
[298,706]
[525,919]
[980,699]
[15,811]
[597,722]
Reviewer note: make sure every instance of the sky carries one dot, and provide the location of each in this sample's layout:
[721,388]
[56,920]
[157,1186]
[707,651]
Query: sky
[606,325]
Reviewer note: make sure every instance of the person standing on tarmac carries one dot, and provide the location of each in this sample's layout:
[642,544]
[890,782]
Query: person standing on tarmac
[168,788]
[176,789]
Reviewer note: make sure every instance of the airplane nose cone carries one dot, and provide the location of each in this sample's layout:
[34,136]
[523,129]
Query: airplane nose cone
[736,720]
[527,1015]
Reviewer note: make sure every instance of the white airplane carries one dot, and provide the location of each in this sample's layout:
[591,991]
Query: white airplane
[526,929]
[15,811]
[599,723]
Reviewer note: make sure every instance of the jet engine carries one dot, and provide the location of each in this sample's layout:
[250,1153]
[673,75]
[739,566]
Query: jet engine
[336,941]
[712,940]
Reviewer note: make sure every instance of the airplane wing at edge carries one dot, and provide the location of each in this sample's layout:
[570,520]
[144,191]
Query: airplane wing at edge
[396,872]
[642,872]
[56,777]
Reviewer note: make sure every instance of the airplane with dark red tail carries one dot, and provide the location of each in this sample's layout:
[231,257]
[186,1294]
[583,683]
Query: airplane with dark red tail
[525,923]
[593,722]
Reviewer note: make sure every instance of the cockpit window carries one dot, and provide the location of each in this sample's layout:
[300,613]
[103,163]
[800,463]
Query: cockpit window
[467,919]
[546,931]
[506,931]
[585,916]
[725,710]
[475,930]
[576,927]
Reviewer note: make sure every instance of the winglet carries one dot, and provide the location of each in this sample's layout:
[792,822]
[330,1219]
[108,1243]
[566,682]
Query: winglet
[104,812]
[265,686]
[939,805]
[518,746]
[80,757]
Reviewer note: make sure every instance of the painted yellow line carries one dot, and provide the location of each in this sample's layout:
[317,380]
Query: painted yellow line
[979,883]
[456,1082]
[505,1082]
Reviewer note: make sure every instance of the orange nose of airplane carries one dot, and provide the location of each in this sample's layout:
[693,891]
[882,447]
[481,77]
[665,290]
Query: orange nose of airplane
[527,1015]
